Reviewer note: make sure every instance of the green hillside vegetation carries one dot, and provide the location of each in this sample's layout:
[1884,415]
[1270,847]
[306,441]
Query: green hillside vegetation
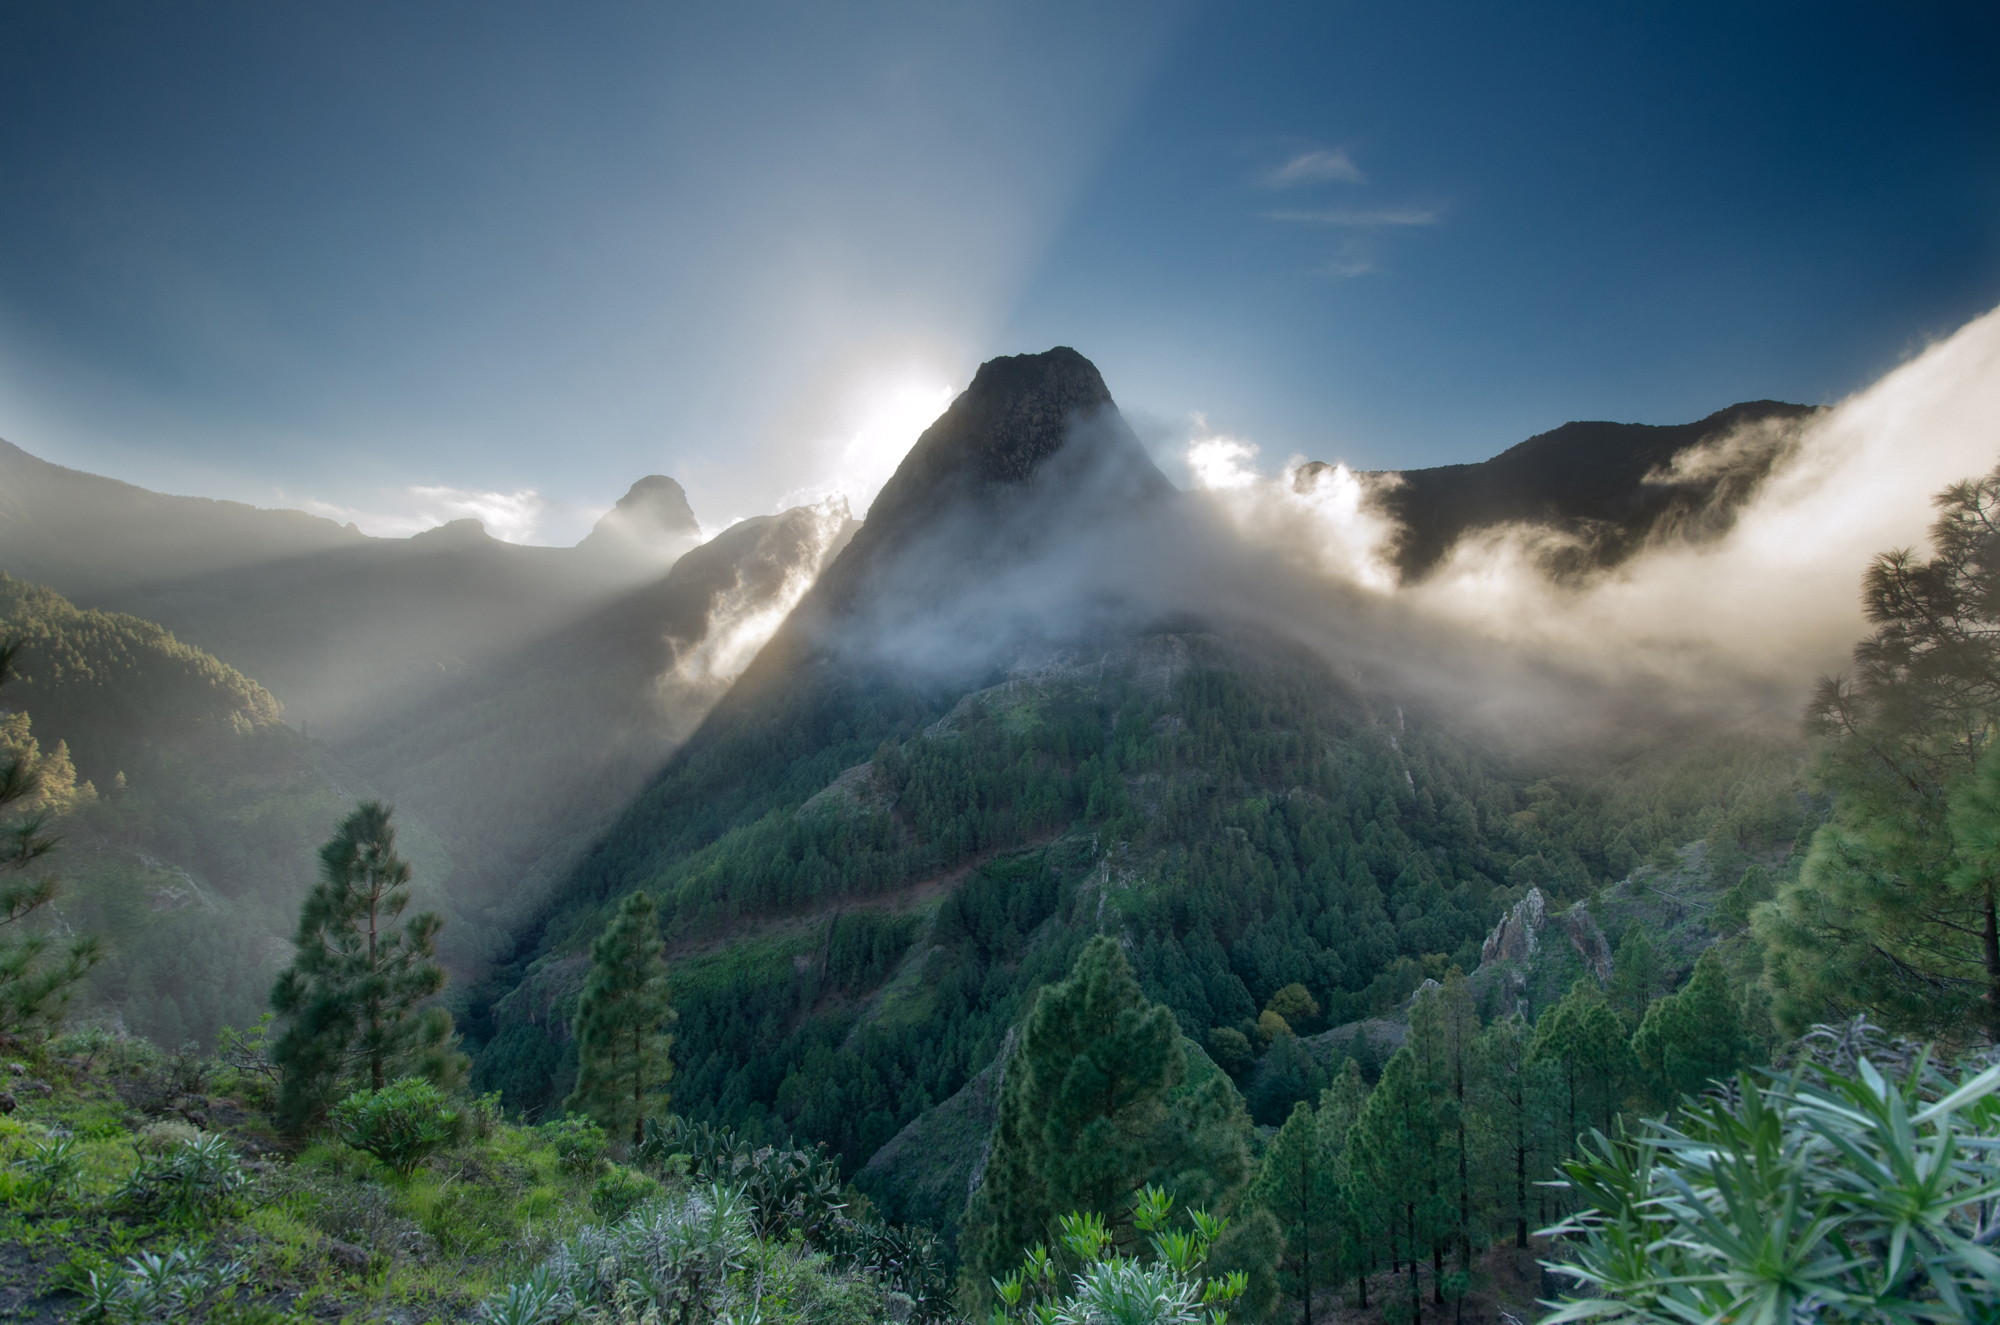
[1245,826]
[189,859]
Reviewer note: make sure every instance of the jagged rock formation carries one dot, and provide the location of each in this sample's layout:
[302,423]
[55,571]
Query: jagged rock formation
[1513,939]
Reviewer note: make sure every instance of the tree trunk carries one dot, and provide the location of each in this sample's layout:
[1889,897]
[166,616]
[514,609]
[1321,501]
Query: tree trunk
[1520,1190]
[1305,1223]
[1992,954]
[374,1007]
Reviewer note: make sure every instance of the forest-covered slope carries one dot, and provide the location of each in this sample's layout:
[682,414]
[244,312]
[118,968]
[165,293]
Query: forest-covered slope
[867,863]
[191,856]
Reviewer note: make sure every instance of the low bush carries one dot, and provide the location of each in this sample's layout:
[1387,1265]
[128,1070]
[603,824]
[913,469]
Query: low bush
[196,1180]
[620,1191]
[578,1142]
[1817,1194]
[402,1124]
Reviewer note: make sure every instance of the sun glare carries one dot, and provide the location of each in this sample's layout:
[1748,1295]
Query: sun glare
[889,428]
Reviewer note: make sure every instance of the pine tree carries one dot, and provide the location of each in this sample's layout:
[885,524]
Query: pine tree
[354,993]
[1340,1106]
[1512,1110]
[35,985]
[1897,909]
[1638,976]
[1444,1027]
[1085,1121]
[1299,1184]
[1395,1145]
[1692,1037]
[1589,1060]
[622,1043]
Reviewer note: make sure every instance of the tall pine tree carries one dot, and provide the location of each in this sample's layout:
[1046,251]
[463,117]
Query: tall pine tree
[35,983]
[1299,1183]
[354,995]
[1692,1037]
[1897,909]
[622,1043]
[1086,1120]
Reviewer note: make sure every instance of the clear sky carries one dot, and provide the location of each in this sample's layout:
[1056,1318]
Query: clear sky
[410,261]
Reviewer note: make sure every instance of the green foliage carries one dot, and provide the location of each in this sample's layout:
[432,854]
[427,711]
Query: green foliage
[679,1258]
[1895,910]
[1230,1049]
[619,1190]
[1817,1194]
[37,976]
[1083,1115]
[621,1020]
[173,1285]
[355,994]
[579,1142]
[198,1180]
[1692,1037]
[402,1124]
[53,1169]
[1171,1286]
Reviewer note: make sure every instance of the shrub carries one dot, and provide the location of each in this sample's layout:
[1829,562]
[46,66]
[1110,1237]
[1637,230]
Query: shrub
[676,1259]
[579,1143]
[1818,1194]
[401,1124]
[620,1191]
[53,1170]
[1172,1288]
[197,1179]
[155,1287]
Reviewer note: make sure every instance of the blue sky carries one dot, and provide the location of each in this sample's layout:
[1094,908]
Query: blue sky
[408,262]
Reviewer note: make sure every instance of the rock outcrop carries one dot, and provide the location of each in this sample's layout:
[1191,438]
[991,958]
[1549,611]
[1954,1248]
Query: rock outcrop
[651,523]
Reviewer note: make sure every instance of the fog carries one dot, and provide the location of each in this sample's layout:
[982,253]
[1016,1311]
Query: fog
[1730,630]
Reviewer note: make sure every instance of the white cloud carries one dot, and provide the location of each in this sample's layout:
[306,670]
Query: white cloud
[1317,166]
[512,517]
[1361,216]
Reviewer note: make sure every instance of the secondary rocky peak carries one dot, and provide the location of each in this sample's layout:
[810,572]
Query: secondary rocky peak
[651,522]
[467,532]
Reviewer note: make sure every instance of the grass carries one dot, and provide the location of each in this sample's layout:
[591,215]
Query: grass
[326,1234]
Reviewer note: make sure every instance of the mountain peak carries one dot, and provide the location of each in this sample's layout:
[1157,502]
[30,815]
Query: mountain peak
[1018,413]
[1032,451]
[652,521]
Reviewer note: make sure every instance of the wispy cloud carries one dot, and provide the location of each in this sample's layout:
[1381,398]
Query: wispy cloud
[1341,270]
[1318,166]
[512,517]
[1361,217]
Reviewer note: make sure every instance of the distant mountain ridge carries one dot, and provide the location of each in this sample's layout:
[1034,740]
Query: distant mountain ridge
[1610,486]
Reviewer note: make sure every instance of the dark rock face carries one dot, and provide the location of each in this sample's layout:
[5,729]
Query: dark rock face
[1034,444]
[652,520]
[1612,487]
